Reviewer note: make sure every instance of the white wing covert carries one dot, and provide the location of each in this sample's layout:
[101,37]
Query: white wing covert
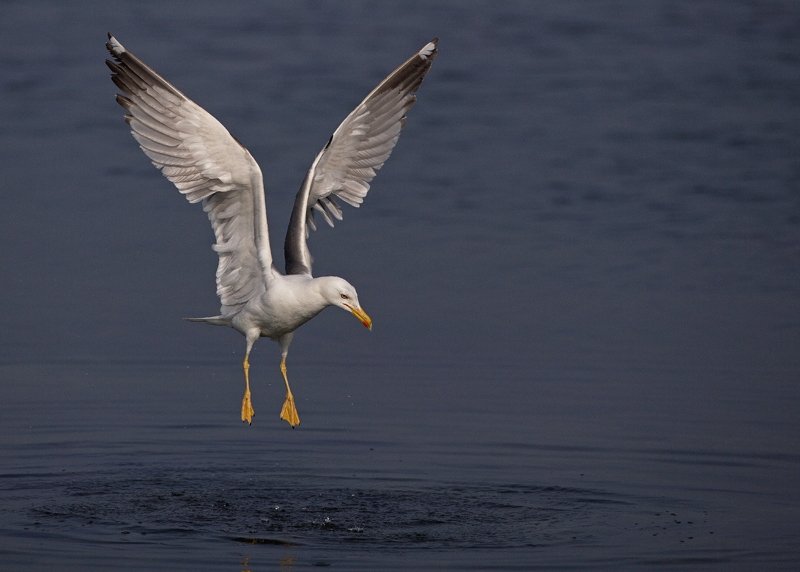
[206,163]
[358,148]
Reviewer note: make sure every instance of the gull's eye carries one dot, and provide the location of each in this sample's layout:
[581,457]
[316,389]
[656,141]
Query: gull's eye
[344,296]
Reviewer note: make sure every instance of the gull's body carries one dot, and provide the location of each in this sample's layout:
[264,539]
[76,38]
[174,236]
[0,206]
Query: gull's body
[206,163]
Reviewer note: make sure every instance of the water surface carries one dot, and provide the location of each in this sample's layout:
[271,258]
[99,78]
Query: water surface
[581,260]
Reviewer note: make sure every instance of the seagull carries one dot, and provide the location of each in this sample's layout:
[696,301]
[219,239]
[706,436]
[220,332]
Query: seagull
[207,164]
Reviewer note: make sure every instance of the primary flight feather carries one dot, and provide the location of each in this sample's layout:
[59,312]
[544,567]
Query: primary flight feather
[206,163]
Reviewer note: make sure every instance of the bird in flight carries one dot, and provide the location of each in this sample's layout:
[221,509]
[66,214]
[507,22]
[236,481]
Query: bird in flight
[207,164]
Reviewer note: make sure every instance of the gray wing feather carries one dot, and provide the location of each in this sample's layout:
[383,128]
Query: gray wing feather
[206,163]
[358,148]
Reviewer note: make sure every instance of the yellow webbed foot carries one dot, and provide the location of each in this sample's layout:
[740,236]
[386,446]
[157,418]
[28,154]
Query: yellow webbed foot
[289,411]
[247,408]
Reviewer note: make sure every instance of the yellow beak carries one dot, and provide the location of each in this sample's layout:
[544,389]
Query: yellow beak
[362,315]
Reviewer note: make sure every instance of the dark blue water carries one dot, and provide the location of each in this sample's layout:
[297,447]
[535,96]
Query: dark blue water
[582,260]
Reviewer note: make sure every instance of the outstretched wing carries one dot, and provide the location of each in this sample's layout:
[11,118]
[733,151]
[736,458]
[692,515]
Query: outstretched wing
[358,148]
[206,163]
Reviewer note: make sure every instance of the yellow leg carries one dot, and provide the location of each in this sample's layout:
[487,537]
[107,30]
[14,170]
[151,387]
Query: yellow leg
[289,411]
[247,405]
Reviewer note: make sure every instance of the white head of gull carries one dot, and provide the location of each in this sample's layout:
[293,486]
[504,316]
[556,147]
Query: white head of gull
[206,163]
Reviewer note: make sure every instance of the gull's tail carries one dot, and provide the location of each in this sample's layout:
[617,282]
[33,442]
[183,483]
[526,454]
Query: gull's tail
[215,320]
